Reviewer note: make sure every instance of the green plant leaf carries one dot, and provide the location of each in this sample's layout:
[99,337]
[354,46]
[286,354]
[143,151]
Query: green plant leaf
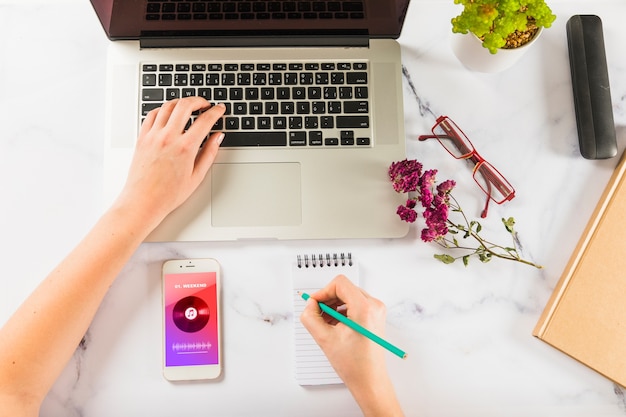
[466,260]
[508,224]
[446,259]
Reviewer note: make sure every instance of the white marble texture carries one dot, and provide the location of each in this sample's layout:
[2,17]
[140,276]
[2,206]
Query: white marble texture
[467,330]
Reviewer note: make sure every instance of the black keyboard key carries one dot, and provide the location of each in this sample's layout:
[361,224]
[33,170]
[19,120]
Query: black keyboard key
[295,122]
[356,77]
[220,94]
[264,123]
[172,93]
[353,122]
[232,123]
[337,78]
[189,92]
[256,108]
[345,93]
[212,79]
[321,78]
[148,80]
[334,107]
[267,94]
[360,92]
[252,93]
[197,79]
[181,80]
[148,107]
[363,141]
[315,138]
[283,93]
[236,94]
[240,108]
[165,80]
[347,137]
[152,94]
[311,122]
[303,107]
[287,107]
[255,139]
[318,107]
[297,138]
[314,93]
[205,93]
[247,123]
[355,107]
[279,123]
[271,107]
[330,93]
[306,78]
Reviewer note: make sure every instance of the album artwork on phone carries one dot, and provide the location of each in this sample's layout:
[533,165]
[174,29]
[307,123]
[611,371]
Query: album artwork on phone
[191,319]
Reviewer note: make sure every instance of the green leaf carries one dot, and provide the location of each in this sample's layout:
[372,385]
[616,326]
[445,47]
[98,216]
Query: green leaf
[484,257]
[466,260]
[508,224]
[446,259]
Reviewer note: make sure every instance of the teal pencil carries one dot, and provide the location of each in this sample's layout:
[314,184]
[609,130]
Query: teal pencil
[358,328]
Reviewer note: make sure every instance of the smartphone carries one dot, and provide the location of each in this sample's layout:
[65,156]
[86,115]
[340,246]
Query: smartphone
[191,319]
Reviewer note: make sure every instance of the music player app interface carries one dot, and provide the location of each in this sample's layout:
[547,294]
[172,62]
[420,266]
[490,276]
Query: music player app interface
[191,319]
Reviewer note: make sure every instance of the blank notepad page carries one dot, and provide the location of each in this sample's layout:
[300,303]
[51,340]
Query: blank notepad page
[311,273]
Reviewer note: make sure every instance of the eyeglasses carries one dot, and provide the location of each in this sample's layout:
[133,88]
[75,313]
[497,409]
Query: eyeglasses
[459,146]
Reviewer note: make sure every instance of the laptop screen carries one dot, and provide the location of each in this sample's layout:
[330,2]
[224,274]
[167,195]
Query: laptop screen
[308,22]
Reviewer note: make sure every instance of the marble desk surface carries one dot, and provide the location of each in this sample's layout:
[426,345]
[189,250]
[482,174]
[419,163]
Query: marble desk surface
[467,330]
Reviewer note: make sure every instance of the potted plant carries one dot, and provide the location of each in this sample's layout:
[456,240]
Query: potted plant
[501,27]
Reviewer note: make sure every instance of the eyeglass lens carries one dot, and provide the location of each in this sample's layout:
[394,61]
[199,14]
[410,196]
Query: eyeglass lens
[492,182]
[453,139]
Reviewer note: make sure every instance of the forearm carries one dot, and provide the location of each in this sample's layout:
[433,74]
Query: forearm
[40,338]
[377,399]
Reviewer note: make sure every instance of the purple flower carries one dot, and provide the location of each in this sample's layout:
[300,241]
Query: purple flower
[407,214]
[428,178]
[446,187]
[405,175]
[436,218]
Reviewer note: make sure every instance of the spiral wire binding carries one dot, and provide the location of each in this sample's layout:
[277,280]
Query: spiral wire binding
[328,260]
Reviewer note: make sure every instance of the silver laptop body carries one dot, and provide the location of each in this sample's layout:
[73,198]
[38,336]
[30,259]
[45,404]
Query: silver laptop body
[331,183]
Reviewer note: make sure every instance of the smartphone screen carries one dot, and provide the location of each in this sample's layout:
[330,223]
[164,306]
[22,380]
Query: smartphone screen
[191,320]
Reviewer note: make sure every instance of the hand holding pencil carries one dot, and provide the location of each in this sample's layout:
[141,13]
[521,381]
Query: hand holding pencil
[358,361]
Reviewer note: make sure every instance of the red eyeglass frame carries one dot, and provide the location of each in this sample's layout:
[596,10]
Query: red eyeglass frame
[492,176]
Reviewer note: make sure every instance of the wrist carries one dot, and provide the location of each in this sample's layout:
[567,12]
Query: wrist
[134,217]
[377,399]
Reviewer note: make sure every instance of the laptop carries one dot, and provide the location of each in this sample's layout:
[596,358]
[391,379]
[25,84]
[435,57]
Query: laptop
[313,90]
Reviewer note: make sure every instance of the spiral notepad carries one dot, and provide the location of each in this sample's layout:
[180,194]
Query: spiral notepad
[310,273]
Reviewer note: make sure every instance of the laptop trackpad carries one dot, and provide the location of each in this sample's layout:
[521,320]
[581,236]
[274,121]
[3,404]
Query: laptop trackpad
[256,194]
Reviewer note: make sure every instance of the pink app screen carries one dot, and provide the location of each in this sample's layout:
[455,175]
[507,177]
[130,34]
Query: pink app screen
[191,321]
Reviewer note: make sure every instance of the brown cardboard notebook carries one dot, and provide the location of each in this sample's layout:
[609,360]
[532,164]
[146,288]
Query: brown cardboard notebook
[586,315]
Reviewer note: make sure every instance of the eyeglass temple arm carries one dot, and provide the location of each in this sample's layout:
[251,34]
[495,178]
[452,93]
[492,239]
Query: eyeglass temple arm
[455,140]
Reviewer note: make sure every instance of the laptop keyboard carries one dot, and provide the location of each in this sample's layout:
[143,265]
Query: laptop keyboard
[285,104]
[169,10]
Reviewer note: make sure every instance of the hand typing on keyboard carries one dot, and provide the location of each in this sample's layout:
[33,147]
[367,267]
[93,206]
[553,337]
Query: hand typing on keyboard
[169,162]
[277,104]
